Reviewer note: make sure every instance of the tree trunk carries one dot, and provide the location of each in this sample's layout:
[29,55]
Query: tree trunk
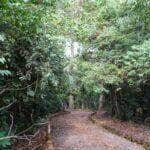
[83,105]
[101,100]
[71,102]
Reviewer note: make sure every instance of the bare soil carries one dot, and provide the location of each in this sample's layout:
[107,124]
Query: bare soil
[75,131]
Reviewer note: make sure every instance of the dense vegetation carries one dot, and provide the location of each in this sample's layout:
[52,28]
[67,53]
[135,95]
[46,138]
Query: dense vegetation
[111,70]
[116,62]
[32,79]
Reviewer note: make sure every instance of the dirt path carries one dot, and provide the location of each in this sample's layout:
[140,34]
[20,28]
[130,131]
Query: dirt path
[74,131]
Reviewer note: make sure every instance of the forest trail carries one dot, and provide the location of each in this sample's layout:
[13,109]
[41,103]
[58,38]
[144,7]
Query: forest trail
[75,131]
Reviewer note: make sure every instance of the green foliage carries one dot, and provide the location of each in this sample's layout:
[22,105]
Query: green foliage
[4,143]
[116,53]
[4,72]
[137,63]
[36,77]
[31,65]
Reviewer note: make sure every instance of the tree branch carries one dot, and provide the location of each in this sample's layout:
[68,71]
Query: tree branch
[12,123]
[16,137]
[6,107]
[19,89]
[36,124]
